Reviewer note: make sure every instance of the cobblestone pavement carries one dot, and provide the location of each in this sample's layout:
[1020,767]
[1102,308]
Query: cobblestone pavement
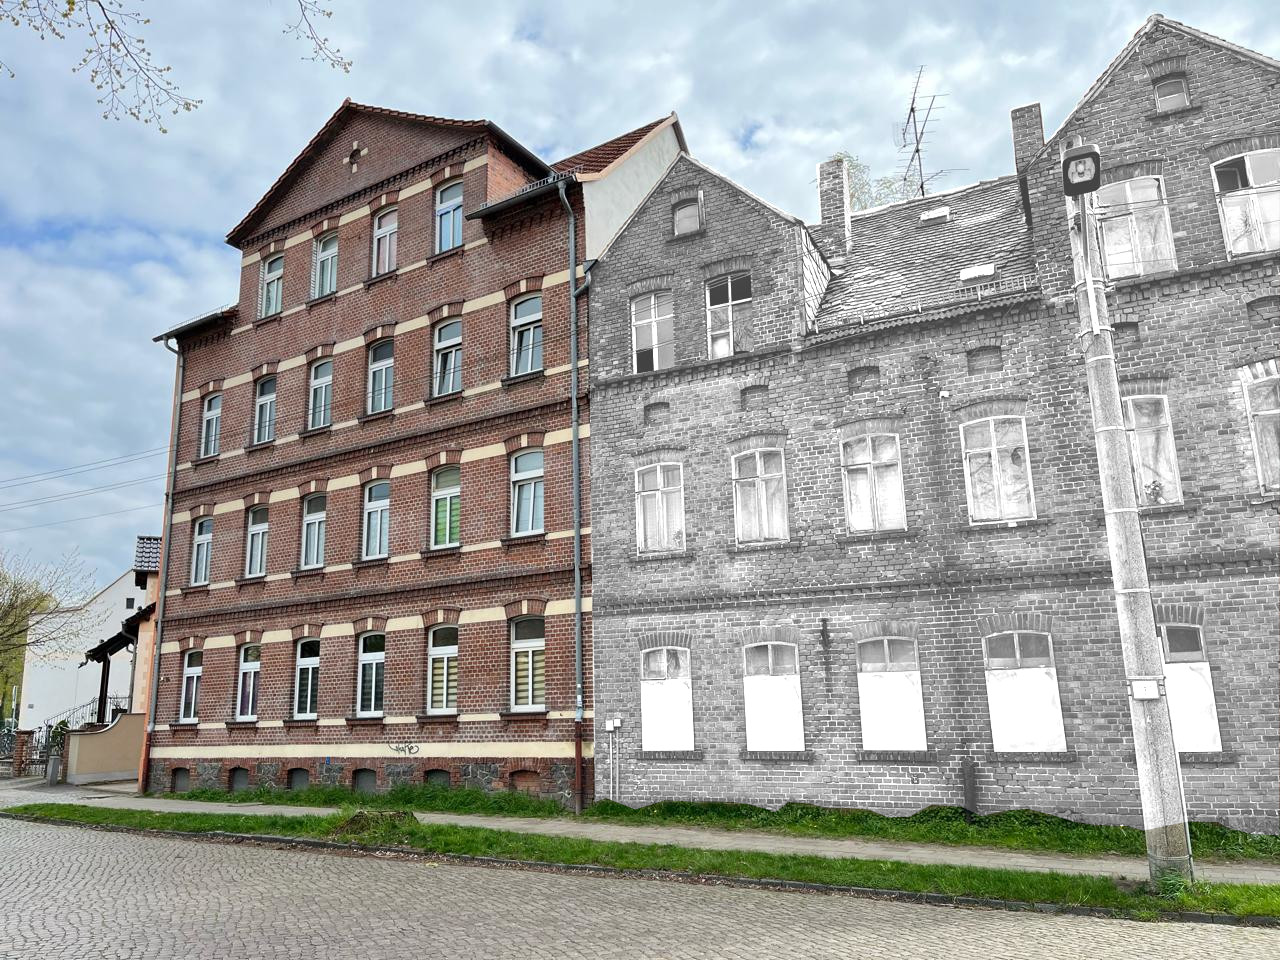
[68,892]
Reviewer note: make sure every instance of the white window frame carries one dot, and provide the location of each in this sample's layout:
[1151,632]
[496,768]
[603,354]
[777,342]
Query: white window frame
[257,523]
[1184,93]
[1018,661]
[375,662]
[210,425]
[264,410]
[660,496]
[201,551]
[531,646]
[448,217]
[310,668]
[376,522]
[314,522]
[757,483]
[271,299]
[1249,379]
[533,480]
[1253,193]
[448,654]
[324,274]
[447,359]
[848,468]
[385,241]
[451,498]
[320,396]
[189,706]
[380,390]
[530,324]
[1200,656]
[1134,432]
[1126,213]
[652,300]
[732,305]
[993,450]
[250,672]
[696,204]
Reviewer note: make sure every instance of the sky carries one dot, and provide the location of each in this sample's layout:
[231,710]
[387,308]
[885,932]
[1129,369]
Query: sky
[111,232]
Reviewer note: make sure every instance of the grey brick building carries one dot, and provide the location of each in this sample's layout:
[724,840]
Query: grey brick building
[848,540]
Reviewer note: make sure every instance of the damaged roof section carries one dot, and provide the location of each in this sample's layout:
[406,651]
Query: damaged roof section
[906,260]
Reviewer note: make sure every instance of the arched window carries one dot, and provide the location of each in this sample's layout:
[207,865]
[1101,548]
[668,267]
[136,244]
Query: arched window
[377,521]
[660,508]
[760,496]
[320,404]
[1134,219]
[201,551]
[324,277]
[771,692]
[381,377]
[314,511]
[448,358]
[442,669]
[250,668]
[526,336]
[666,699]
[446,502]
[1022,693]
[385,226]
[371,675]
[526,493]
[272,286]
[729,313]
[210,425]
[238,780]
[528,664]
[873,495]
[192,668]
[306,679]
[1248,188]
[997,469]
[890,695]
[653,331]
[255,543]
[449,216]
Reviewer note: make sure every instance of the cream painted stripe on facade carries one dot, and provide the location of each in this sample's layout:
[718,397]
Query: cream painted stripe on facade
[426,749]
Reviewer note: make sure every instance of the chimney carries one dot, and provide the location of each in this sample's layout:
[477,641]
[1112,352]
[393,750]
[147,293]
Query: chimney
[1028,135]
[833,200]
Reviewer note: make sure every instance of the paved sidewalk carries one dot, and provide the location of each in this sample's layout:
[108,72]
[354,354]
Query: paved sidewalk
[694,837]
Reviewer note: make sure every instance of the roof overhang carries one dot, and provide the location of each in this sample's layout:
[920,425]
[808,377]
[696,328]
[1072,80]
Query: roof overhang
[190,326]
[526,194]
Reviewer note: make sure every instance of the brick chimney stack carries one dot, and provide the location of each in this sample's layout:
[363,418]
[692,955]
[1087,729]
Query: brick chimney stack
[833,200]
[1028,135]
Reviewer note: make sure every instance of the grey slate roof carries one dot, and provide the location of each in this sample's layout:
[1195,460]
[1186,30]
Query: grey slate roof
[897,267]
[146,554]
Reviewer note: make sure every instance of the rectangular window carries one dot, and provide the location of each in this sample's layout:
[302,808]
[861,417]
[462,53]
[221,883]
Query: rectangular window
[666,699]
[255,543]
[1155,462]
[528,664]
[250,669]
[687,217]
[729,315]
[890,695]
[760,496]
[997,470]
[442,670]
[377,521]
[192,667]
[306,684]
[660,508]
[1171,94]
[1261,383]
[1022,693]
[771,691]
[446,500]
[314,511]
[873,483]
[264,410]
[526,336]
[210,425]
[272,286]
[381,377]
[1248,188]
[448,358]
[526,493]
[1134,219]
[324,279]
[449,217]
[385,227]
[371,676]
[201,551]
[653,331]
[320,406]
[1193,708]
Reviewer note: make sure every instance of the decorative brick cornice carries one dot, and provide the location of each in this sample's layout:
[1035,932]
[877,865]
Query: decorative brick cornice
[520,287]
[1013,621]
[528,607]
[1188,613]
[523,440]
[310,631]
[448,615]
[320,350]
[380,471]
[369,625]
[665,638]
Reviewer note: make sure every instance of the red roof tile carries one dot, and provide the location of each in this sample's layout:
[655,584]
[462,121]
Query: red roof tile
[595,159]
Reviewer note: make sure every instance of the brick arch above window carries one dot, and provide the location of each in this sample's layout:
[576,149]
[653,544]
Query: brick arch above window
[757,441]
[444,458]
[383,200]
[521,441]
[665,638]
[988,358]
[1165,66]
[1137,386]
[885,628]
[201,510]
[1188,613]
[1119,172]
[321,227]
[719,268]
[1246,143]
[450,615]
[519,288]
[977,343]
[1010,621]
[753,396]
[313,486]
[445,311]
[663,281]
[211,386]
[369,625]
[1264,308]
[319,351]
[381,331]
[652,455]
[691,192]
[527,607]
[771,633]
[248,637]
[864,426]
[657,412]
[1007,406]
[192,643]
[439,176]
[264,369]
[257,499]
[380,472]
[309,630]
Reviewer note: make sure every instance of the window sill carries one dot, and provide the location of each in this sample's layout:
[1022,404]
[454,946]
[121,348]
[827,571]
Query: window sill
[185,726]
[688,234]
[388,414]
[1184,507]
[446,255]
[451,397]
[669,755]
[875,536]
[315,431]
[1033,756]
[1121,283]
[201,461]
[246,581]
[538,714]
[917,757]
[445,718]
[361,563]
[432,553]
[1224,758]
[380,278]
[764,545]
[269,318]
[520,539]
[302,573]
[515,379]
[365,721]
[657,555]
[299,722]
[1266,500]
[998,526]
[1158,115]
[195,588]
[242,724]
[323,298]
[255,447]
[777,756]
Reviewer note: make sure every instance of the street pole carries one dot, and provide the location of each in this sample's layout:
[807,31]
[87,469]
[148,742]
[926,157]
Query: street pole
[1164,813]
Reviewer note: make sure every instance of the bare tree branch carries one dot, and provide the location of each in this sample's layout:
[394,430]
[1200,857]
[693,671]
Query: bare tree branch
[310,11]
[42,604]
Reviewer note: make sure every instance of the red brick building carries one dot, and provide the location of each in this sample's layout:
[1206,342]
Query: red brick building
[371,558]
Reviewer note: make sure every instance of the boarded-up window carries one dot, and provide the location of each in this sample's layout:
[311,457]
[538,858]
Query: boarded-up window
[754,397]
[666,699]
[438,778]
[239,779]
[1193,709]
[524,781]
[771,691]
[985,360]
[364,780]
[299,778]
[180,780]
[1022,693]
[890,695]
[863,379]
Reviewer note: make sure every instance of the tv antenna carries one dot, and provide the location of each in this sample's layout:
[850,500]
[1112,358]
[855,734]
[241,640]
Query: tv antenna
[911,137]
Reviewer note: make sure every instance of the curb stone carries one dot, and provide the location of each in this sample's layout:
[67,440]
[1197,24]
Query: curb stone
[753,883]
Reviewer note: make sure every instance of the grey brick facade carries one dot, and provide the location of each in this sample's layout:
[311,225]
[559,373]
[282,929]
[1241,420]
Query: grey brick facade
[900,346]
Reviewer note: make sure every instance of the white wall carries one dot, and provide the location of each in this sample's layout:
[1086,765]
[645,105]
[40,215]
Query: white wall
[1192,707]
[611,200]
[891,710]
[666,714]
[53,680]
[1026,712]
[775,716]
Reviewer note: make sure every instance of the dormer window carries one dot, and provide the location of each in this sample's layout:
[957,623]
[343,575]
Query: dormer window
[978,273]
[1172,94]
[936,215]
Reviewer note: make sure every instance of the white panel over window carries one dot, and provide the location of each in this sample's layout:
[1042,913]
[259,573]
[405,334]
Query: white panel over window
[666,699]
[997,470]
[760,496]
[660,508]
[873,483]
[1261,382]
[890,695]
[1022,693]
[1248,189]
[771,691]
[1155,461]
[1188,684]
[653,331]
[1134,219]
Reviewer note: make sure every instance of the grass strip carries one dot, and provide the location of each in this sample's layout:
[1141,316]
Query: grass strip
[1010,830]
[1136,901]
